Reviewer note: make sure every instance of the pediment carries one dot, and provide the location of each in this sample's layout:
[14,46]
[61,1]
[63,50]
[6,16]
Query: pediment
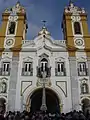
[6,58]
[50,44]
[3,79]
[59,59]
[81,59]
[28,59]
[46,42]
[44,55]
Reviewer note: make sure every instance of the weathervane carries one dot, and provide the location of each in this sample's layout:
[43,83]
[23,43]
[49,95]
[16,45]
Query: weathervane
[18,1]
[70,1]
[44,21]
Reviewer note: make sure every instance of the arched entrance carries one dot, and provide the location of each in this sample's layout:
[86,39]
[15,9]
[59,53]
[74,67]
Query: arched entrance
[85,105]
[52,101]
[2,105]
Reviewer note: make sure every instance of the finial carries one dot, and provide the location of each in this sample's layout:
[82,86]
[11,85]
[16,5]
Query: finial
[71,3]
[44,25]
[18,2]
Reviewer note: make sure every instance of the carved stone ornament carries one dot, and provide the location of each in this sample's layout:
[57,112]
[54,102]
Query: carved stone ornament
[76,18]
[13,18]
[74,9]
[39,82]
[3,87]
[15,9]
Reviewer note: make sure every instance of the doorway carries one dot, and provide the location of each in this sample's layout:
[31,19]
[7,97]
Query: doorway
[52,101]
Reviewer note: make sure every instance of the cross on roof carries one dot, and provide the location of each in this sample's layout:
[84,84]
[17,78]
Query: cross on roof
[44,21]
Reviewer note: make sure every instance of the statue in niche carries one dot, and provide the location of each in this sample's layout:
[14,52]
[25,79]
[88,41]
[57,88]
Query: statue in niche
[11,29]
[84,88]
[3,87]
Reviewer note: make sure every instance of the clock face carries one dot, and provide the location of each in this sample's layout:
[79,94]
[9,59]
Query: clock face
[9,42]
[79,42]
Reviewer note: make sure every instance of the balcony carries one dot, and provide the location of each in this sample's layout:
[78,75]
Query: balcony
[27,73]
[83,73]
[39,72]
[4,73]
[60,73]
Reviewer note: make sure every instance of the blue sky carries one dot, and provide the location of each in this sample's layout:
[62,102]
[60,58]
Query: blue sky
[49,10]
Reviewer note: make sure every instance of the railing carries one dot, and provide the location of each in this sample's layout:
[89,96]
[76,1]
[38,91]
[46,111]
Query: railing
[60,73]
[27,41]
[83,73]
[4,73]
[60,41]
[39,72]
[27,73]
[55,41]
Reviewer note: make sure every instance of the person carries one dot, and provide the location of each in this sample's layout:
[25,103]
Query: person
[2,117]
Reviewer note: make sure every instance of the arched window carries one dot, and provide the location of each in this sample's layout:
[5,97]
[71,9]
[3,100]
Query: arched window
[77,28]
[44,64]
[11,28]
[84,88]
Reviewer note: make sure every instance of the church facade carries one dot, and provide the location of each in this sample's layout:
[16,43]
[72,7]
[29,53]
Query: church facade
[64,65]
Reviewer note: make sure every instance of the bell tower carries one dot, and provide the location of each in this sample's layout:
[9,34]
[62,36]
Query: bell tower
[14,27]
[75,28]
[76,34]
[12,32]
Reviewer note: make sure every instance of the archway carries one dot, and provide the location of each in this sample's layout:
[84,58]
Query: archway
[85,105]
[2,105]
[52,101]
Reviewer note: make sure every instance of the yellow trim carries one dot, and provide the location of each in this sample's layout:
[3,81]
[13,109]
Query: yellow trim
[16,54]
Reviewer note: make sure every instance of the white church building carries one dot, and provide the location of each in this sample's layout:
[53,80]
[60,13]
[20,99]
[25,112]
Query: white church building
[66,63]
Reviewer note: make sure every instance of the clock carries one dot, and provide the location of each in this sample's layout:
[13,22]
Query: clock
[78,42]
[9,42]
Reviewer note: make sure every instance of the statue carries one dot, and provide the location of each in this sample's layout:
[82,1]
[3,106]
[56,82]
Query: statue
[3,87]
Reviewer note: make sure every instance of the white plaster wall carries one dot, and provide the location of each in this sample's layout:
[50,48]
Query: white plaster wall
[81,56]
[6,56]
[53,78]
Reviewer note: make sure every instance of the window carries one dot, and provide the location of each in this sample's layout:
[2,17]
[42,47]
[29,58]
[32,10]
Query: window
[77,28]
[5,68]
[11,28]
[60,69]
[44,66]
[27,69]
[82,70]
[84,88]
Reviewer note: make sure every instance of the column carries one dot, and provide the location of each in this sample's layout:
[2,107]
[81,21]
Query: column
[74,84]
[12,84]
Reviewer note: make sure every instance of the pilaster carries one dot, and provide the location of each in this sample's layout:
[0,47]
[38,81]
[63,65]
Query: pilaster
[74,84]
[88,62]
[12,84]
